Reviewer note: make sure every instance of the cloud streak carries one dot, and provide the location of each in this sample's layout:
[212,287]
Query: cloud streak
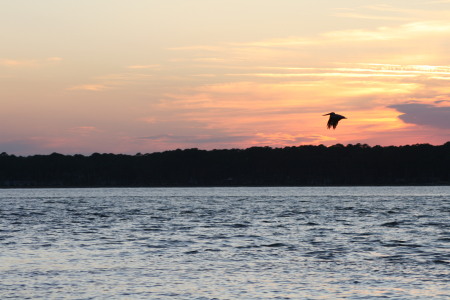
[18,63]
[89,87]
[29,63]
[197,139]
[405,31]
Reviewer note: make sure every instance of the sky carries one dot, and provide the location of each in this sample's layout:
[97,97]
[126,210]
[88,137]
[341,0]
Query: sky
[143,76]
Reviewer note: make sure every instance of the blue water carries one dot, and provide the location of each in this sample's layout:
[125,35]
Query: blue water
[225,243]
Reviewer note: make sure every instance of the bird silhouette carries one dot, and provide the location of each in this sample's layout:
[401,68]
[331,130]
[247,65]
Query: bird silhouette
[333,120]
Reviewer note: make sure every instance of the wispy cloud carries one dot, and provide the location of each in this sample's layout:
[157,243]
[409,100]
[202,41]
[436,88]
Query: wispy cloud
[393,13]
[276,139]
[55,59]
[197,139]
[356,71]
[140,67]
[385,33]
[89,87]
[402,32]
[283,138]
[29,62]
[123,78]
[18,63]
[355,15]
[84,130]
[112,81]
[197,48]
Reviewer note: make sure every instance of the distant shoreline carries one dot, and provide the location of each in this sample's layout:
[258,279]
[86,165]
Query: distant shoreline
[206,187]
[314,166]
[217,186]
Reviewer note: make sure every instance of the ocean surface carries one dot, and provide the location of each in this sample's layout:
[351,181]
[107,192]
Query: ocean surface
[225,243]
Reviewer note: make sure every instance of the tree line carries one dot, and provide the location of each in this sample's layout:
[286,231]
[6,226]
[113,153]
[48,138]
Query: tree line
[360,164]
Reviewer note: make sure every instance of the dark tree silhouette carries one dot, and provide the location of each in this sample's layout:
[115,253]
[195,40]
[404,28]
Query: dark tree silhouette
[359,164]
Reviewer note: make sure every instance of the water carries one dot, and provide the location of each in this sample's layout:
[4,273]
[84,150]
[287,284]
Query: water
[226,243]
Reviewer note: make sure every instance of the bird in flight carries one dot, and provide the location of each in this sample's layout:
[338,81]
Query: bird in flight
[333,120]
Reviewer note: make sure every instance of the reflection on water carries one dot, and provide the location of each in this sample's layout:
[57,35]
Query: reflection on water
[226,243]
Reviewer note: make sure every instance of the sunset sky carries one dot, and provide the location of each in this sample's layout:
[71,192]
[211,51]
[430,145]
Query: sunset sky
[116,76]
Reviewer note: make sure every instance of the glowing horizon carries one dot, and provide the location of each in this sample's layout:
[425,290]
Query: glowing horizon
[147,76]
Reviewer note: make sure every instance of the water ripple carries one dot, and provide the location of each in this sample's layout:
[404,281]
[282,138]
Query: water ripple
[225,243]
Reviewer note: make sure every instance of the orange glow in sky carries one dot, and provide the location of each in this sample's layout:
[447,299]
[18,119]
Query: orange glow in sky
[145,76]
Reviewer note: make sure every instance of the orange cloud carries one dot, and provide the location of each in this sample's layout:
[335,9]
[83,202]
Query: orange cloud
[28,62]
[143,67]
[18,63]
[55,58]
[89,87]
